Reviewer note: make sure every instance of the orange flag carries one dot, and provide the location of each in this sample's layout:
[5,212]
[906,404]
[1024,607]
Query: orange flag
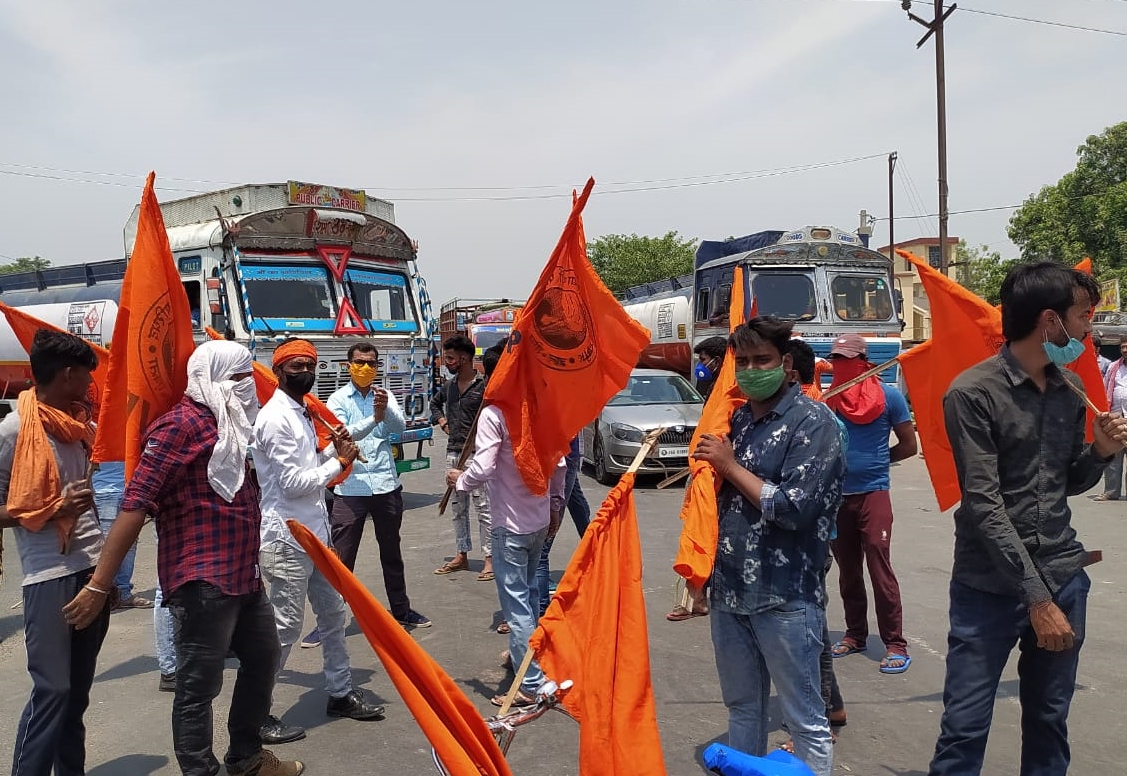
[24,326]
[572,347]
[594,633]
[1087,368]
[966,329]
[152,340]
[448,719]
[700,527]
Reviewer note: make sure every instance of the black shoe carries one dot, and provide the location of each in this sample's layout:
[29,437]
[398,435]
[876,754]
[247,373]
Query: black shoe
[274,731]
[167,682]
[414,620]
[354,706]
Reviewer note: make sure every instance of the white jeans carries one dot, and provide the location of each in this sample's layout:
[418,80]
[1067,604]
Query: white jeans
[290,576]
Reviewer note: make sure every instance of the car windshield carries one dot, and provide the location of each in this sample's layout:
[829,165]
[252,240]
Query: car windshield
[655,389]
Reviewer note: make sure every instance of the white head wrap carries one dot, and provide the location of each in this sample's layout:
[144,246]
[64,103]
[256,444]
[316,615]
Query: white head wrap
[210,368]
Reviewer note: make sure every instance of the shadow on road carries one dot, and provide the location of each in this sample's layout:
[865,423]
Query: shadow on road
[130,765]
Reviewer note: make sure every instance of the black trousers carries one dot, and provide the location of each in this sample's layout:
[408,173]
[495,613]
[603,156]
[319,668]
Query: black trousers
[386,510]
[208,624]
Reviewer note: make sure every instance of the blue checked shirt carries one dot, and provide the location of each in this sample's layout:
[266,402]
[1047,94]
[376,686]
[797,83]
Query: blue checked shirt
[355,411]
[768,557]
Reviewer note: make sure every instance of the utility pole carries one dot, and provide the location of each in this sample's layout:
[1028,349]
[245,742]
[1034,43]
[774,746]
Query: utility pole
[936,26]
[891,215]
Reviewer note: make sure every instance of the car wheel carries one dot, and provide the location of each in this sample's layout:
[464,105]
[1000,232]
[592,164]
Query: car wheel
[600,456]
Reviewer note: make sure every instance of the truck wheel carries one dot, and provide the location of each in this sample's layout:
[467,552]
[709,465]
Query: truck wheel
[601,473]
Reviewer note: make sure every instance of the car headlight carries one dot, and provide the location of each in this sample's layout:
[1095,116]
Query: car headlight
[626,433]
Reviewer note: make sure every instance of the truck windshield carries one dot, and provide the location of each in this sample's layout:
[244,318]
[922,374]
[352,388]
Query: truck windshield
[861,298]
[288,293]
[382,297]
[485,338]
[787,295]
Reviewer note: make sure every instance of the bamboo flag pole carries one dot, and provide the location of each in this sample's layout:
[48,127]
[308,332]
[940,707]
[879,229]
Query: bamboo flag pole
[647,445]
[467,450]
[876,370]
[333,433]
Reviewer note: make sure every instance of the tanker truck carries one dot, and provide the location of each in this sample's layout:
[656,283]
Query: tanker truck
[263,262]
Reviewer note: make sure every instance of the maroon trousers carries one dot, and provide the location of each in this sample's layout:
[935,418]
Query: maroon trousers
[864,537]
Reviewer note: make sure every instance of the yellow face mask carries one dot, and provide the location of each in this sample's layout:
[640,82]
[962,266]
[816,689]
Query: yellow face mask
[363,375]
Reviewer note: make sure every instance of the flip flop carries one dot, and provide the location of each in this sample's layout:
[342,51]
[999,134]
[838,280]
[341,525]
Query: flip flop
[843,648]
[519,701]
[680,613]
[885,668]
[450,566]
[485,576]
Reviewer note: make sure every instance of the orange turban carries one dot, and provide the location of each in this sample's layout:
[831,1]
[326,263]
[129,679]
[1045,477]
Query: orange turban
[293,349]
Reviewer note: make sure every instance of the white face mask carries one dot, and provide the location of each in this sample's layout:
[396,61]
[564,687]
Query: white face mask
[247,394]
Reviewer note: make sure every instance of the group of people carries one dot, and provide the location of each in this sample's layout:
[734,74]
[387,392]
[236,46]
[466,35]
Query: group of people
[801,476]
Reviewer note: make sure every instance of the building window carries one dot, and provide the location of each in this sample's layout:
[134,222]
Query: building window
[934,257]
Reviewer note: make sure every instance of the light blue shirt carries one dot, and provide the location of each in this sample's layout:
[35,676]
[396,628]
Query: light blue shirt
[355,411]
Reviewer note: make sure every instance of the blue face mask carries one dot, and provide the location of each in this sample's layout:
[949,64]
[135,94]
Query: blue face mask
[1063,354]
[702,371]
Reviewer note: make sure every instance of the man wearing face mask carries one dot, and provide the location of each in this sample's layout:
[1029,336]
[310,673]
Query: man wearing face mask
[454,410]
[372,488]
[194,480]
[710,357]
[293,474]
[782,469]
[1017,434]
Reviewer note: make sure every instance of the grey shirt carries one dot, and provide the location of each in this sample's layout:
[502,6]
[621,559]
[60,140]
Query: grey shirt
[1019,454]
[39,550]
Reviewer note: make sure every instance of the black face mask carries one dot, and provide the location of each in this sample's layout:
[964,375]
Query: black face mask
[300,383]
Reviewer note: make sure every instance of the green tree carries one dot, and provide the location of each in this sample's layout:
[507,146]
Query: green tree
[24,264]
[982,270]
[1085,212]
[625,260]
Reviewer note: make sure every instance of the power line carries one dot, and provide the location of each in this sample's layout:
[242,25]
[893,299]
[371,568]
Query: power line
[1043,21]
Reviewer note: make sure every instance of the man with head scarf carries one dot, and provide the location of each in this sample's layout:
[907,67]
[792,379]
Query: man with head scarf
[194,480]
[294,474]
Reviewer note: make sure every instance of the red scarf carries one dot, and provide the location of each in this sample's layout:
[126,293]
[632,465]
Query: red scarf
[861,404]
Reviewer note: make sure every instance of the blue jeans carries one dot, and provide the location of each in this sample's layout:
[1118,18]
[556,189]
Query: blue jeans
[463,540]
[780,645]
[514,567]
[107,506]
[164,634]
[984,629]
[580,514]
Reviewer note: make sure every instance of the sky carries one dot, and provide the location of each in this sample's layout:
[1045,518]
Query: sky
[709,117]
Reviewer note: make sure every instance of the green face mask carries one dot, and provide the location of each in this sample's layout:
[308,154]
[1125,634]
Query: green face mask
[760,384]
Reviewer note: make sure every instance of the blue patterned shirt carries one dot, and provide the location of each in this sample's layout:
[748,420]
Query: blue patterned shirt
[770,556]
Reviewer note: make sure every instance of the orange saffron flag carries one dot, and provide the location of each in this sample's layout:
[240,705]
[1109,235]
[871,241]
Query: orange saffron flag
[24,327]
[700,528]
[594,633]
[572,347]
[1087,368]
[152,340]
[449,720]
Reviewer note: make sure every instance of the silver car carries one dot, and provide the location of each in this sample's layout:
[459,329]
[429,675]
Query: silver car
[652,399]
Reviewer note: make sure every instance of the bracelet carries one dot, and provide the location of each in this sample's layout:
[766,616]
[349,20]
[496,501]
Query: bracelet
[93,589]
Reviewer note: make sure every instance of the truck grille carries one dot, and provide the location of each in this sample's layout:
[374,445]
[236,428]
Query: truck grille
[413,396]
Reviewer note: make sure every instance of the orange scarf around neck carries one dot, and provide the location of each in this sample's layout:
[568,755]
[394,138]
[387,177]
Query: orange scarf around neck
[35,490]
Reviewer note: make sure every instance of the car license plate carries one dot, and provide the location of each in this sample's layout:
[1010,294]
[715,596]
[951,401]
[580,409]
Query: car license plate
[673,452]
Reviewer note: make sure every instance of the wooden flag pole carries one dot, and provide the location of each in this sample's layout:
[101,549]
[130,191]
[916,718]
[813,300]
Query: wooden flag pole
[467,450]
[1088,402]
[876,370]
[674,478]
[333,433]
[647,445]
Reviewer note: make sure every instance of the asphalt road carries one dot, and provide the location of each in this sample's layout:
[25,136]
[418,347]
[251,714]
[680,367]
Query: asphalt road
[893,720]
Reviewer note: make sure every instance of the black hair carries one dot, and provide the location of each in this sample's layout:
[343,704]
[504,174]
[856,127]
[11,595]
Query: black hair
[491,357]
[53,351]
[460,344]
[713,347]
[762,330]
[803,357]
[362,347]
[1030,289]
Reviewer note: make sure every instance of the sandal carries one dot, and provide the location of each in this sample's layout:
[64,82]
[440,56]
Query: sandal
[450,566]
[887,667]
[680,613]
[843,648]
[521,700]
[504,627]
[1105,497]
[485,576]
[788,745]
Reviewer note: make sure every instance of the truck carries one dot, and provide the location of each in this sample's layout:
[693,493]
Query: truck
[485,321]
[263,262]
[669,317]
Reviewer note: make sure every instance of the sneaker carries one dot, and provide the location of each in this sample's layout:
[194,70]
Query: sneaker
[274,731]
[354,706]
[167,682]
[414,620]
[266,763]
[312,640]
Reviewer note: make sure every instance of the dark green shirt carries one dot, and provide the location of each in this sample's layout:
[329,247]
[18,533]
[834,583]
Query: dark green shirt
[1019,453]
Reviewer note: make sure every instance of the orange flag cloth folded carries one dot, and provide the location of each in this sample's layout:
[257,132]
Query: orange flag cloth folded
[572,348]
[594,633]
[36,490]
[448,719]
[152,340]
[1087,368]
